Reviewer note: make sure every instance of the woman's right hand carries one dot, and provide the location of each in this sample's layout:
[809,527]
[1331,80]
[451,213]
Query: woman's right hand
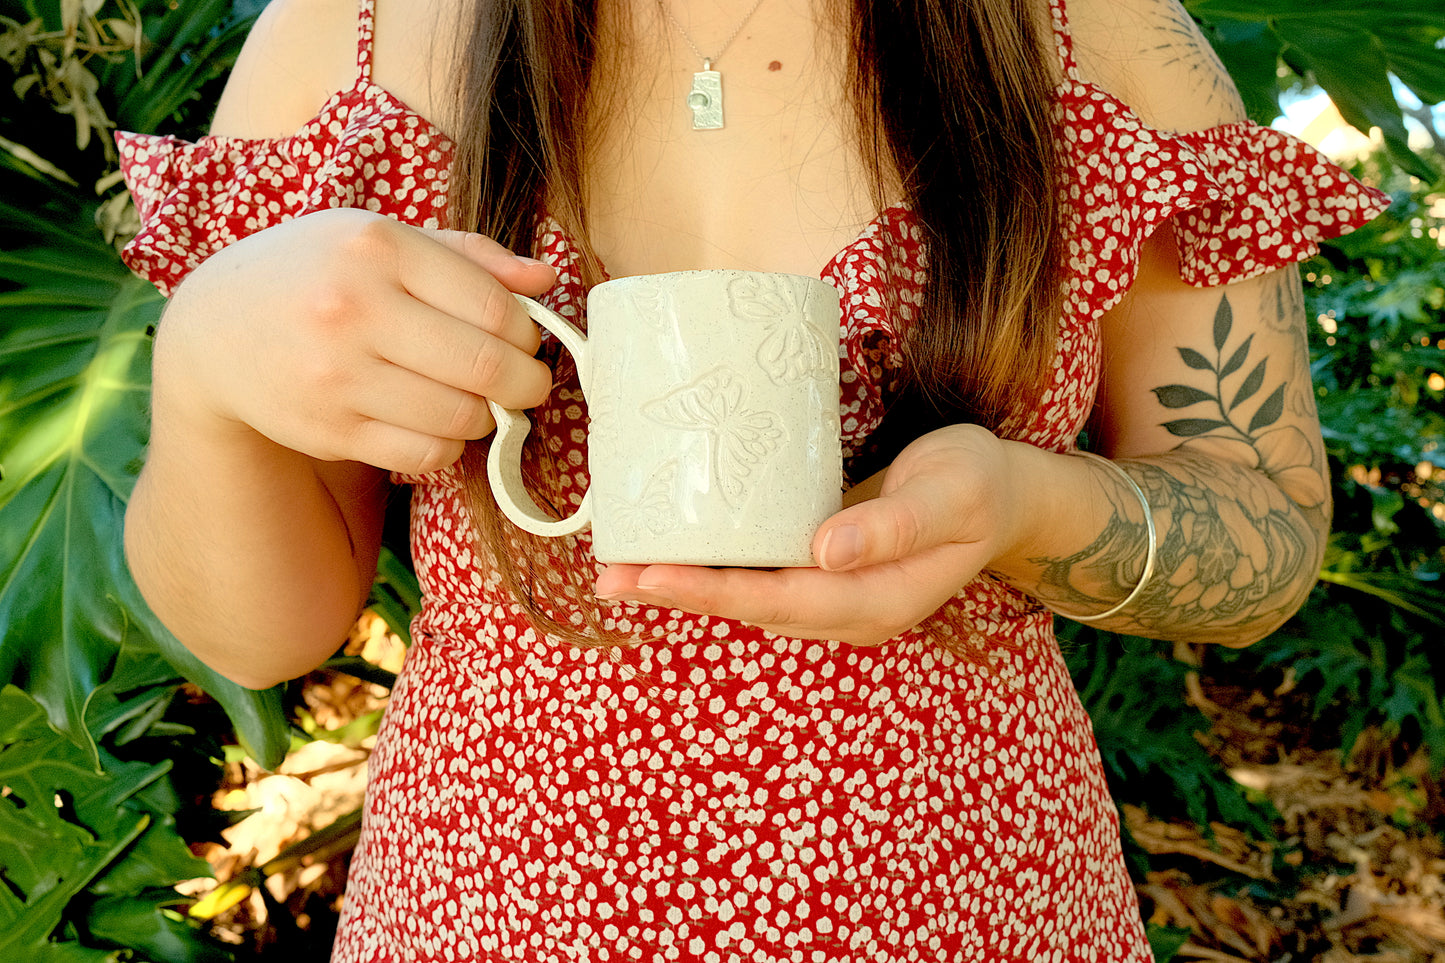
[346,335]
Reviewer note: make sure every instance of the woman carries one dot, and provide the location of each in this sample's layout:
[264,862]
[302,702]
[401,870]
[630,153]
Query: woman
[1040,220]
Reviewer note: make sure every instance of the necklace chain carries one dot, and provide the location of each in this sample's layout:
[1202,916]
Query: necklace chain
[709,61]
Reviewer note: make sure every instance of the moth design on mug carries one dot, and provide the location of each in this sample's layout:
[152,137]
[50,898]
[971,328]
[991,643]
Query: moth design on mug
[793,347]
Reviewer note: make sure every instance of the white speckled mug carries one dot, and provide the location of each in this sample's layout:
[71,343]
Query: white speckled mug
[714,436]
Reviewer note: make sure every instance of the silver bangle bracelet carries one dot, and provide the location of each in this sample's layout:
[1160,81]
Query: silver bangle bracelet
[1149,557]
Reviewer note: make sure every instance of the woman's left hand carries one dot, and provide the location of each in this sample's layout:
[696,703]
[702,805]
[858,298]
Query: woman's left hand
[950,503]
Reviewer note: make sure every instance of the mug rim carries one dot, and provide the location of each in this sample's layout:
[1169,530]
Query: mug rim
[667,275]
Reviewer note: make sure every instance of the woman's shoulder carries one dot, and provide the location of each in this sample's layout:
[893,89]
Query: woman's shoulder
[1151,55]
[301,53]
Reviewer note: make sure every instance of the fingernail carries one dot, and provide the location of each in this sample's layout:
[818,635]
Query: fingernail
[841,547]
[529,261]
[611,596]
[656,594]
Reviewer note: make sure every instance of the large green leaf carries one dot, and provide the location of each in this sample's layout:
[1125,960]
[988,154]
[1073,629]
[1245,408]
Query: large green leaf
[63,825]
[147,925]
[1349,47]
[74,376]
[1351,63]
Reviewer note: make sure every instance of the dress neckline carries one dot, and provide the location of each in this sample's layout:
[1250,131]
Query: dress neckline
[363,90]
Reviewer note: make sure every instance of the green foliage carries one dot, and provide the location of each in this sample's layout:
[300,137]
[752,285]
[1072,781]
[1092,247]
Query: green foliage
[77,76]
[74,376]
[87,852]
[1362,652]
[91,879]
[75,360]
[1379,299]
[1349,49]
[1166,941]
[1147,731]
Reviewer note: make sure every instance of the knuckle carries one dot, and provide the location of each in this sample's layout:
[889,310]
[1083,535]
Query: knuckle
[332,305]
[497,308]
[435,454]
[906,528]
[542,387]
[374,240]
[487,364]
[469,419]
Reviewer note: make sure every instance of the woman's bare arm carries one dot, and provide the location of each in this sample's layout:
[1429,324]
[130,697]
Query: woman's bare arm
[291,363]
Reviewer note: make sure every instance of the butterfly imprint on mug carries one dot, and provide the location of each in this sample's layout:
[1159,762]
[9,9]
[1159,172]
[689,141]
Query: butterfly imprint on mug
[741,439]
[793,348]
[654,304]
[655,510]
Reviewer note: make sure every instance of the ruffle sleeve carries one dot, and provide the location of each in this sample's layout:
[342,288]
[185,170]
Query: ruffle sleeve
[1243,199]
[362,151]
[1278,198]
[880,279]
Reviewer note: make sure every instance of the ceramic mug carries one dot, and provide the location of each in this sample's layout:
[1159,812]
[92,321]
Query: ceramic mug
[714,435]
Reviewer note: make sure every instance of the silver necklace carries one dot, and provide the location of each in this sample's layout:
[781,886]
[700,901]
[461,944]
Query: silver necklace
[705,98]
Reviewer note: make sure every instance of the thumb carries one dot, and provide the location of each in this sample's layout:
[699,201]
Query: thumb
[515,272]
[916,513]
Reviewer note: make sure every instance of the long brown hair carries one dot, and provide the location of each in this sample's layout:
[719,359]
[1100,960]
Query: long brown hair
[952,95]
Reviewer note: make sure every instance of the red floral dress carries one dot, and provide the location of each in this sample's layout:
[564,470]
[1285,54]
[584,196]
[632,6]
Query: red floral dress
[719,793]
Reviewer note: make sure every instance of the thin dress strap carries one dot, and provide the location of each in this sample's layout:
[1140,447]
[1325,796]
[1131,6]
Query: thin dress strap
[1062,40]
[365,28]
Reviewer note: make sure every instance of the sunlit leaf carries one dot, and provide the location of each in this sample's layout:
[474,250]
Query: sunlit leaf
[74,377]
[1349,49]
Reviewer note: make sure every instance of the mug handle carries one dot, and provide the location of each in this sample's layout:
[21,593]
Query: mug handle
[504,461]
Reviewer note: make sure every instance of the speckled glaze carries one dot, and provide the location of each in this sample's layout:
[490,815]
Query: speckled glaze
[714,403]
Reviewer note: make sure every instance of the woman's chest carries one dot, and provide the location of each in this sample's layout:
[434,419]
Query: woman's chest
[780,185]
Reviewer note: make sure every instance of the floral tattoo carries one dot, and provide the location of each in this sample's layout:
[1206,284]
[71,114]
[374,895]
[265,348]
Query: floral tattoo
[1234,547]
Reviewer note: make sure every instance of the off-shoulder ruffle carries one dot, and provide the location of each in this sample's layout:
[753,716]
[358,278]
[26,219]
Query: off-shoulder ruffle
[1243,199]
[1279,198]
[364,150]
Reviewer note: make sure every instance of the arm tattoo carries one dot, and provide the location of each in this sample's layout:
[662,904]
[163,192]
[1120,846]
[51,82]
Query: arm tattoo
[1240,505]
[1228,390]
[1182,44]
[1282,307]
[1225,398]
[1231,551]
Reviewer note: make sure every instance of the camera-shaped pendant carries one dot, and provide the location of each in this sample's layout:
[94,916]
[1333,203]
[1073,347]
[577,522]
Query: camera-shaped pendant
[705,99]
